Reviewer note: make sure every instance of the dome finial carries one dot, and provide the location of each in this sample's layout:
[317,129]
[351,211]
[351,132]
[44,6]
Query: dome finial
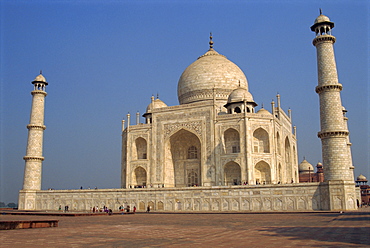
[210,41]
[320,11]
[40,72]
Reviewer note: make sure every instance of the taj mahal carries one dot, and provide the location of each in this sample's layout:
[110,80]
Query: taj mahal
[215,151]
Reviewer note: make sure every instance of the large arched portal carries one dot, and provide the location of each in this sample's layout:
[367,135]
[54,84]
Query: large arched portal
[232,175]
[182,160]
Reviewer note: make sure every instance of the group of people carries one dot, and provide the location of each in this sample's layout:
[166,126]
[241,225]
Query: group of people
[126,209]
[104,209]
[145,186]
[66,208]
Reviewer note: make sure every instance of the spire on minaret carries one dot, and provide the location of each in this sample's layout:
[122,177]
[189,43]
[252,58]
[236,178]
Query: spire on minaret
[210,41]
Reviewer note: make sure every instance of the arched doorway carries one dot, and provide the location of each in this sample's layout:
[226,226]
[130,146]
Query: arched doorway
[139,177]
[182,160]
[232,174]
[262,173]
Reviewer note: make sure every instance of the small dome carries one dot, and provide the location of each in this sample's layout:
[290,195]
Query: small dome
[157,103]
[263,111]
[305,166]
[322,18]
[319,164]
[40,78]
[240,95]
[361,178]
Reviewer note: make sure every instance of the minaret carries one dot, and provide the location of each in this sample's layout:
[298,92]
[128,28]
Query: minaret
[334,132]
[34,158]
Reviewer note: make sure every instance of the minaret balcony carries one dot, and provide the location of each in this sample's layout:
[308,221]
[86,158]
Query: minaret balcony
[323,38]
[332,134]
[335,87]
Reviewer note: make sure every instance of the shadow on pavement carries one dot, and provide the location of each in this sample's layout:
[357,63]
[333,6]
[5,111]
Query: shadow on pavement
[349,235]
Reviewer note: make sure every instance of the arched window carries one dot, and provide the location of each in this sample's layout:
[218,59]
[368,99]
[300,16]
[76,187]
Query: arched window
[192,152]
[261,142]
[237,110]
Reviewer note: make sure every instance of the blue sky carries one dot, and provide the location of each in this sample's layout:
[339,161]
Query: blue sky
[103,59]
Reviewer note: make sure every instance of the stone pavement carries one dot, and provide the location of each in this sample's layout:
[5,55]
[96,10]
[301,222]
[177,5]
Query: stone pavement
[315,229]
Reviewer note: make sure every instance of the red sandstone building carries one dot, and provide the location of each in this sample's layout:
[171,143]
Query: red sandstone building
[308,174]
[365,190]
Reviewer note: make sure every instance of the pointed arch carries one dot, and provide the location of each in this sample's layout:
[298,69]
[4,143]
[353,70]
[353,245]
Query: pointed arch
[262,173]
[140,177]
[279,174]
[261,143]
[232,141]
[140,151]
[232,173]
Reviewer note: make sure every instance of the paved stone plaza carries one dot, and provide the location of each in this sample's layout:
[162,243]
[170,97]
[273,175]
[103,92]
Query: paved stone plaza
[314,229]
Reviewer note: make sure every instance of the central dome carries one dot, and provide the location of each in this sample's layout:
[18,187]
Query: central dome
[211,74]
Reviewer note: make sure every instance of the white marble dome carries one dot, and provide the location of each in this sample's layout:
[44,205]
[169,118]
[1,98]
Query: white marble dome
[361,178]
[305,166]
[40,78]
[157,103]
[263,111]
[212,73]
[240,95]
[322,18]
